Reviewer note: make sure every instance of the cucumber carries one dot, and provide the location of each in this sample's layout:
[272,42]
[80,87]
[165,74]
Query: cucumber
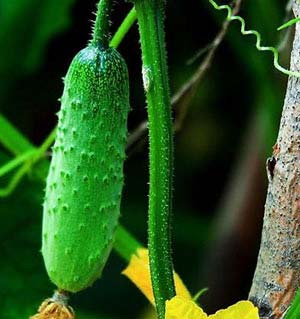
[85,180]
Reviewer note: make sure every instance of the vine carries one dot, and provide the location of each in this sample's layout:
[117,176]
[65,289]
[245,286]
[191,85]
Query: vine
[259,46]
[155,77]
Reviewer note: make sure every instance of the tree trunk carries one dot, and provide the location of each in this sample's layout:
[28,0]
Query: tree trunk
[277,274]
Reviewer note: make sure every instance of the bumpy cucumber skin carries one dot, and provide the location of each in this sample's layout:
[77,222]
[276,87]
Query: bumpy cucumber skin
[85,181]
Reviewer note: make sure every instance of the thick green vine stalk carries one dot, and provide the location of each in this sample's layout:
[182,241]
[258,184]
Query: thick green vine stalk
[151,14]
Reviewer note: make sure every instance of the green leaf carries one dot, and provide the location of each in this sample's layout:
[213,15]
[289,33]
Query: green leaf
[21,266]
[288,24]
[54,18]
[294,311]
[25,29]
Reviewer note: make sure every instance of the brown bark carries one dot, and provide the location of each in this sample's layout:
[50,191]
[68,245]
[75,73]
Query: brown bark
[277,274]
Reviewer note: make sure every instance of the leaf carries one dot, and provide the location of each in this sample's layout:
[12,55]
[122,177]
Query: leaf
[54,18]
[288,24]
[294,311]
[25,29]
[21,267]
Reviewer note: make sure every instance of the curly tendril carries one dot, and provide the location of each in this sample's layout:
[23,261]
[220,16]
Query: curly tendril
[232,17]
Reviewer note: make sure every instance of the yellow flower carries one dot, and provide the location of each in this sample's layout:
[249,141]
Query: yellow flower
[242,309]
[138,272]
[181,306]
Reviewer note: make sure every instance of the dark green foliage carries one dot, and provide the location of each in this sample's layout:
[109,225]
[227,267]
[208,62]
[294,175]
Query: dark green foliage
[30,32]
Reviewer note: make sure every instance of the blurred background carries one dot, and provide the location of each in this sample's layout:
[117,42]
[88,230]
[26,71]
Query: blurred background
[227,124]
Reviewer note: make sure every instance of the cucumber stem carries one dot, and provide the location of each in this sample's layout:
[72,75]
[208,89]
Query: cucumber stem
[151,15]
[125,244]
[124,28]
[101,35]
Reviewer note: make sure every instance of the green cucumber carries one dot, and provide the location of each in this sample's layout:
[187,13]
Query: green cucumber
[85,181]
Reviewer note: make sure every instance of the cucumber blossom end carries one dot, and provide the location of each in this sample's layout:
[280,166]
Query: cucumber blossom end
[55,308]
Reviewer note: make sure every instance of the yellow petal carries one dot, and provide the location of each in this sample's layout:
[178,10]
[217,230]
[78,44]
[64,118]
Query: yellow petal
[240,310]
[182,308]
[138,272]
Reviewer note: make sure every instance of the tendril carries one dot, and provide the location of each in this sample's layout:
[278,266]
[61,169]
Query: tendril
[259,47]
